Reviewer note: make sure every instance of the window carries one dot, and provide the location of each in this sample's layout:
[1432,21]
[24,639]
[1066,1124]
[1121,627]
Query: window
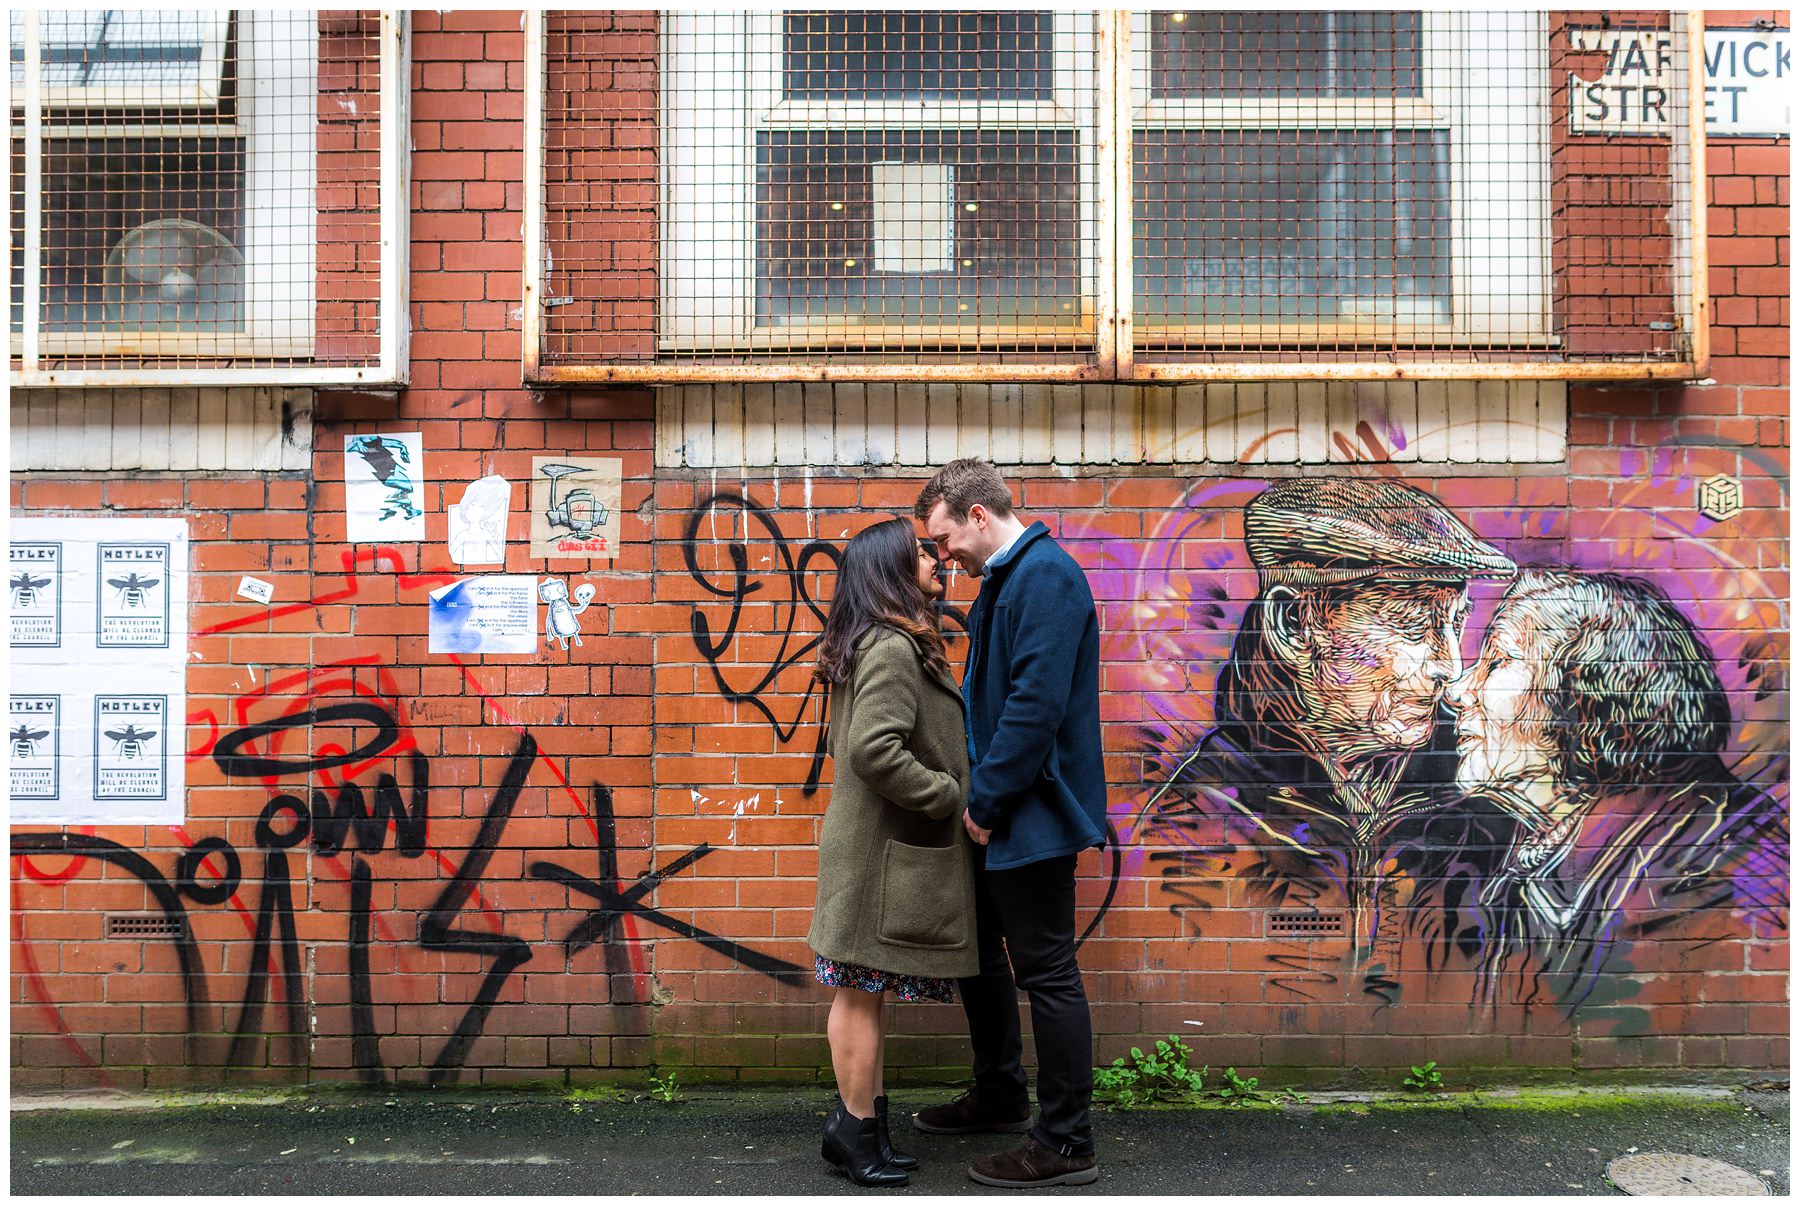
[873,179]
[114,58]
[1050,195]
[1340,177]
[196,190]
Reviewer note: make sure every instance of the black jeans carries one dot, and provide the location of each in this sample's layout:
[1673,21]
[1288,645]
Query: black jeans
[1028,913]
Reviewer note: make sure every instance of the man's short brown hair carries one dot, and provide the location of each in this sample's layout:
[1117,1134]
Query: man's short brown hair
[960,485]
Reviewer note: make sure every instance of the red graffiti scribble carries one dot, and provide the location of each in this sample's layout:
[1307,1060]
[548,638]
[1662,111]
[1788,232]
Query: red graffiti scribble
[351,588]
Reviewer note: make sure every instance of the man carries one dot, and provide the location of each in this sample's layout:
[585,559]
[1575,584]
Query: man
[1037,798]
[1331,728]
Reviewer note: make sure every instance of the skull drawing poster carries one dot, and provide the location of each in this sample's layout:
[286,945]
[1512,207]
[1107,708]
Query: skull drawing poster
[97,711]
[575,507]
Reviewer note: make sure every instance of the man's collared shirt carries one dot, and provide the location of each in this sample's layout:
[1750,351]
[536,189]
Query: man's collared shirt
[1000,552]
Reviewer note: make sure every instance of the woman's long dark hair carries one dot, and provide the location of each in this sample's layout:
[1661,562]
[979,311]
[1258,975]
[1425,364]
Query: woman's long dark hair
[877,583]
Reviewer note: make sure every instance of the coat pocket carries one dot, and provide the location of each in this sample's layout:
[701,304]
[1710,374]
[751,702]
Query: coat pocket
[922,899]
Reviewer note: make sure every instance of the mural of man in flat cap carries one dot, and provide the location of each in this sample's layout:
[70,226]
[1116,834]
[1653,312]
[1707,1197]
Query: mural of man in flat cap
[1331,727]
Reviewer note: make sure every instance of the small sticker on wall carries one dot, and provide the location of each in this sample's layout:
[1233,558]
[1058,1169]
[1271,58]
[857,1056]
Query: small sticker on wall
[255,589]
[1721,498]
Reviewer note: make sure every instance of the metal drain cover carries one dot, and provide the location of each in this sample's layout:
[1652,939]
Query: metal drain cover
[1652,1174]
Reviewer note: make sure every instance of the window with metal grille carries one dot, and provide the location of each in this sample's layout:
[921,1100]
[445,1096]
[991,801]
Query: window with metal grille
[1041,195]
[201,196]
[1340,178]
[903,179]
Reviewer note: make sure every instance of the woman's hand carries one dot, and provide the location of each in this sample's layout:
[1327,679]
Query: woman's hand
[976,832]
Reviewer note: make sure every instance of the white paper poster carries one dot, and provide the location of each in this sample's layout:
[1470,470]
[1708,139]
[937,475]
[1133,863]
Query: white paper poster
[478,523]
[36,578]
[97,715]
[496,613]
[384,488]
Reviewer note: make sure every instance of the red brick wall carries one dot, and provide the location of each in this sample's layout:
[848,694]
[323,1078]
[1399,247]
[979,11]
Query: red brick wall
[614,865]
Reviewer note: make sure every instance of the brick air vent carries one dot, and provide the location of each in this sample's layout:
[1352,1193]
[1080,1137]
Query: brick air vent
[1305,924]
[141,925]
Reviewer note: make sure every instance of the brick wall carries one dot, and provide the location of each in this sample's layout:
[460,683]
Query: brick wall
[598,860]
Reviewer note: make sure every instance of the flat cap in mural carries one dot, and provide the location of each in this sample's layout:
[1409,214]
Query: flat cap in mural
[1317,531]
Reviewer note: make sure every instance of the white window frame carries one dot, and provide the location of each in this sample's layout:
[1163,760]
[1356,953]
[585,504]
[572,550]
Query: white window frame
[1500,249]
[276,118]
[215,27]
[708,281]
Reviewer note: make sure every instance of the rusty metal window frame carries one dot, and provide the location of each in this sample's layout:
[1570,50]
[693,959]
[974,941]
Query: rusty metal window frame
[279,321]
[1449,55]
[1123,351]
[747,47]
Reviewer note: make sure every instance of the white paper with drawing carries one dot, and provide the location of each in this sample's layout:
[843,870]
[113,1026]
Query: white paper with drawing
[384,488]
[478,523]
[98,699]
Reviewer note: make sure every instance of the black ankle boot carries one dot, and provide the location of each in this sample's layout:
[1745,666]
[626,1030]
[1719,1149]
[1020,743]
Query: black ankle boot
[854,1144]
[899,1160]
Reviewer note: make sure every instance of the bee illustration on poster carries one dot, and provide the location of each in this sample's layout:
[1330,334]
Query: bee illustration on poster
[575,506]
[99,669]
[35,582]
[131,747]
[34,733]
[133,598]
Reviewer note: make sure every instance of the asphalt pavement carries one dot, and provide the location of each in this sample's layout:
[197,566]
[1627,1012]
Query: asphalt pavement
[741,1143]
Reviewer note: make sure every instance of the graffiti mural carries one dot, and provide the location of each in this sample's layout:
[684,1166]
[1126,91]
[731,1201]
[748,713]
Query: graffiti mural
[782,577]
[1526,816]
[1595,719]
[1331,729]
[344,787]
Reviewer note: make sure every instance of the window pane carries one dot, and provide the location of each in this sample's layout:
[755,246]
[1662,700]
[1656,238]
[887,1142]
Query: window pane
[1278,225]
[161,53]
[139,235]
[1278,55]
[909,55]
[823,232]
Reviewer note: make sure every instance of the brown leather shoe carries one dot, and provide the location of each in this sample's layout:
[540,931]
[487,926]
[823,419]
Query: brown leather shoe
[965,1115]
[1034,1166]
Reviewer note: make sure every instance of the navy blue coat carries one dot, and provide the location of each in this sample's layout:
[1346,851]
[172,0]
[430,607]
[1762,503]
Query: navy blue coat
[1033,685]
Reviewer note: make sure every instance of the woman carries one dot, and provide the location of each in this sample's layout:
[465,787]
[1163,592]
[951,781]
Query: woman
[1595,718]
[896,898]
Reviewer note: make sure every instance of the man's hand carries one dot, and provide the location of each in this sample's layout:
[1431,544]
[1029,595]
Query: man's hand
[980,835]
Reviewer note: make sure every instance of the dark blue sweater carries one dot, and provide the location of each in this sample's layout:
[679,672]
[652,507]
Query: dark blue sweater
[1033,686]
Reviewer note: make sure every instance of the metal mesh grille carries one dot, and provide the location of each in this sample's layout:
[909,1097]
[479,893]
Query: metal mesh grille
[196,189]
[1417,186]
[142,925]
[1298,192]
[887,185]
[1305,924]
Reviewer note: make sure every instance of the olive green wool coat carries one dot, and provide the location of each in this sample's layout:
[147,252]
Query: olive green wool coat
[896,866]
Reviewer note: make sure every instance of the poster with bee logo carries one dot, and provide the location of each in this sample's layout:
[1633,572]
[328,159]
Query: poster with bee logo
[134,595]
[98,703]
[35,577]
[131,747]
[33,729]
